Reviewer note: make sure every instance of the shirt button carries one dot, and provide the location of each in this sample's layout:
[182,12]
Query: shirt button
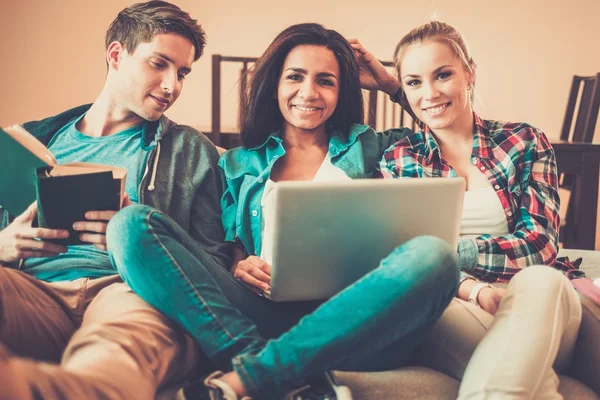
[482,168]
[254,213]
[497,187]
[509,213]
[259,180]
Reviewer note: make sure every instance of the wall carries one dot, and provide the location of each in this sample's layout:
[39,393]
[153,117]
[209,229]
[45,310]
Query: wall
[527,51]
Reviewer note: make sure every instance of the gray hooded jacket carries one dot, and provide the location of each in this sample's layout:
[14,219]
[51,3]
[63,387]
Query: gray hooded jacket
[180,177]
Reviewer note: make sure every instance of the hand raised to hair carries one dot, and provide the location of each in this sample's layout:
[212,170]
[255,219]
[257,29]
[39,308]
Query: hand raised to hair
[373,75]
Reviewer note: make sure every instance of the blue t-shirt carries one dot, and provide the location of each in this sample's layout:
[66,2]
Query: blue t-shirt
[122,149]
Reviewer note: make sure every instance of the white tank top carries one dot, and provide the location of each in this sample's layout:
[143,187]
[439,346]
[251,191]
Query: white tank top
[326,172]
[483,214]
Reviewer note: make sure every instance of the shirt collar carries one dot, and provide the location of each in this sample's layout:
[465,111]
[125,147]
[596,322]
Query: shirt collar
[431,145]
[482,145]
[338,142]
[274,138]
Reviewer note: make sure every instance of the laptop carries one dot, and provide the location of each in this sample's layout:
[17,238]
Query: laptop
[326,235]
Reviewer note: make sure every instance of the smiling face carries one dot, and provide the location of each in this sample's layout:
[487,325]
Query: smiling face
[436,84]
[308,88]
[148,81]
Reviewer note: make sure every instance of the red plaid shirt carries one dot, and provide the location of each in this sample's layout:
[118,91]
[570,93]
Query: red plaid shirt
[519,162]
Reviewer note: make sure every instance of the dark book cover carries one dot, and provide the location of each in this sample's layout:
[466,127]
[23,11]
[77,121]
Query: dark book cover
[64,200]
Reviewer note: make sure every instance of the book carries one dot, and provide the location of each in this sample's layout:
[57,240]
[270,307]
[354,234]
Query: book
[590,288]
[64,193]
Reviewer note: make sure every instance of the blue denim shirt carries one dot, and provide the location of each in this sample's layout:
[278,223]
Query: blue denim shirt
[247,170]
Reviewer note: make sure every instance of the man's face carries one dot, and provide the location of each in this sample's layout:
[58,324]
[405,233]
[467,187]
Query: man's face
[149,80]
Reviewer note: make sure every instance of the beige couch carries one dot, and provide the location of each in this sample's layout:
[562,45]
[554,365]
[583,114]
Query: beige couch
[581,382]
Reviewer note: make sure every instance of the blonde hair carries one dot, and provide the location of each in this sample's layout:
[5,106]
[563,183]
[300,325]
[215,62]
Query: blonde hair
[444,33]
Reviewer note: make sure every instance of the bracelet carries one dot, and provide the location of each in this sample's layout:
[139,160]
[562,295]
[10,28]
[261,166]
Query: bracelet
[475,292]
[397,96]
[466,278]
[461,280]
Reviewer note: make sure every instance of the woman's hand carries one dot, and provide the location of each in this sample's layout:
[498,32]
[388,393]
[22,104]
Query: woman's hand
[373,75]
[255,273]
[489,298]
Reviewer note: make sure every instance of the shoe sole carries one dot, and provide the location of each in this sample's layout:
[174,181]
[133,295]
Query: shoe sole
[341,392]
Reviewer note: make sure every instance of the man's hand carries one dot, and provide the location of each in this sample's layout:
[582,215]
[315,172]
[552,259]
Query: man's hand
[490,298]
[373,75]
[95,227]
[255,273]
[20,240]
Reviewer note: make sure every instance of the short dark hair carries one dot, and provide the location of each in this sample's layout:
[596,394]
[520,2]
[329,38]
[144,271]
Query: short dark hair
[140,22]
[262,116]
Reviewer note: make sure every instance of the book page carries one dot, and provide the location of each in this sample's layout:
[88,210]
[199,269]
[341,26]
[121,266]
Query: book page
[77,168]
[28,141]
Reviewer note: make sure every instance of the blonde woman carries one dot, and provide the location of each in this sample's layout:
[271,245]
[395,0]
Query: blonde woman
[502,343]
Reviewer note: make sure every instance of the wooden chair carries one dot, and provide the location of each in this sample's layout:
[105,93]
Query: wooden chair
[384,114]
[381,113]
[587,113]
[578,162]
[230,138]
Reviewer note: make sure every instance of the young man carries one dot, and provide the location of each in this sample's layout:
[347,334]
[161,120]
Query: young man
[69,326]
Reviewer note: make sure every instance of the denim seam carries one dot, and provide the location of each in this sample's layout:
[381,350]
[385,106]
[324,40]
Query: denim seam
[473,315]
[246,379]
[176,264]
[239,284]
[81,297]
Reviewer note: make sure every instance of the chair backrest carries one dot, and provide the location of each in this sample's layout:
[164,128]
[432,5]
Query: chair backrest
[220,138]
[381,112]
[588,99]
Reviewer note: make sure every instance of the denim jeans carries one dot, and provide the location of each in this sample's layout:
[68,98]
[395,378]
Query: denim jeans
[373,324]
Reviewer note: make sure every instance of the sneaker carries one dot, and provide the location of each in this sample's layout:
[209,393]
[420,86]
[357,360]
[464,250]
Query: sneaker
[321,387]
[212,388]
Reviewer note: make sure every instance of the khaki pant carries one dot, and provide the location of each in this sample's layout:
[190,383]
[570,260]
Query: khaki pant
[514,354]
[85,339]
